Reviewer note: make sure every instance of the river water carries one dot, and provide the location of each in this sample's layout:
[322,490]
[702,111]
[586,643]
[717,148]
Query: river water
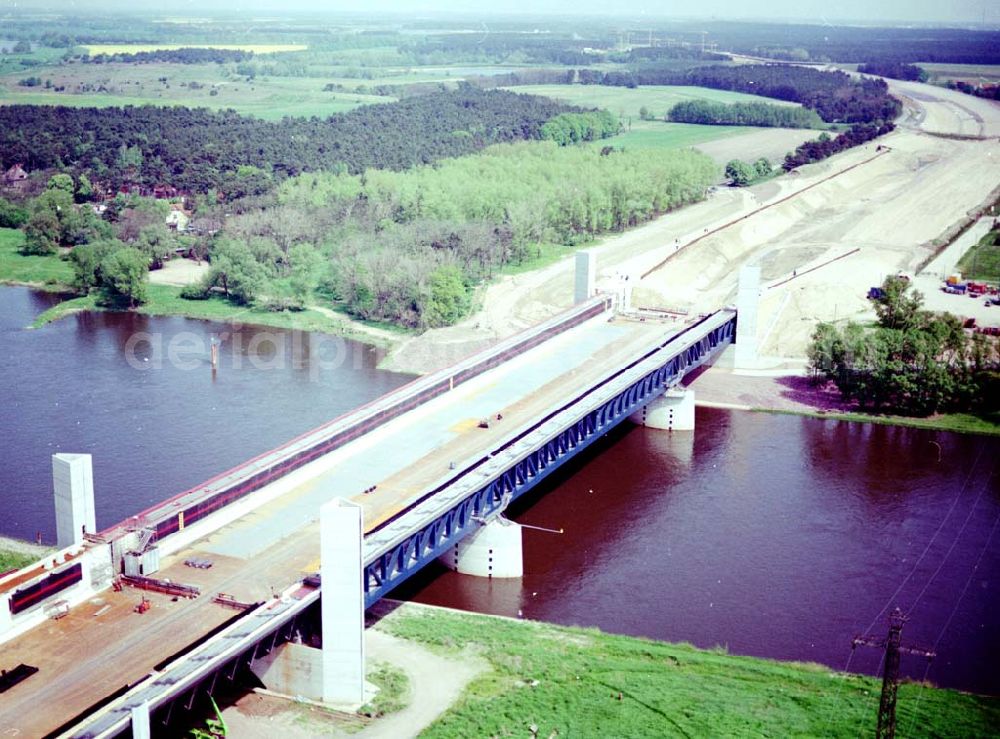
[138,393]
[773,535]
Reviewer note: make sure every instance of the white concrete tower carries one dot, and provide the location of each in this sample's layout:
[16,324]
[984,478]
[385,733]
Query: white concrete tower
[747,303]
[586,276]
[73,482]
[343,603]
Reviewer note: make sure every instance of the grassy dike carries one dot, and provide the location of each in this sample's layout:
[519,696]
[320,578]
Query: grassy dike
[573,682]
[986,422]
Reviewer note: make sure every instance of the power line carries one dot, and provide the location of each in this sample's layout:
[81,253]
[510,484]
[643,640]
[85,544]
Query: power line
[930,543]
[954,543]
[893,647]
[968,581]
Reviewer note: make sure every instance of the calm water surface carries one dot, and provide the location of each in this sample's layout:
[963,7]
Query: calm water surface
[138,393]
[776,536]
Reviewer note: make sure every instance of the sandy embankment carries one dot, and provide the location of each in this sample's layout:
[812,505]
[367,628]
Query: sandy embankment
[890,208]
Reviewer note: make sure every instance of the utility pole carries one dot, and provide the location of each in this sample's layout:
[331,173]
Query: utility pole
[886,727]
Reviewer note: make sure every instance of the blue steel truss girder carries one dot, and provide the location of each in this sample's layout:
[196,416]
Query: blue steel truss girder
[433,538]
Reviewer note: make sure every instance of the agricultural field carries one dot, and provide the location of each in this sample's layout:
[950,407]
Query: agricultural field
[662,135]
[192,85]
[626,102]
[972,73]
[95,49]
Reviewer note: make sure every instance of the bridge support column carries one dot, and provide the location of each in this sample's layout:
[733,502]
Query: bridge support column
[140,721]
[343,606]
[73,482]
[747,303]
[672,411]
[586,276]
[492,551]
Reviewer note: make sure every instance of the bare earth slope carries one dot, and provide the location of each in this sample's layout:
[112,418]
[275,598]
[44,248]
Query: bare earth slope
[822,235]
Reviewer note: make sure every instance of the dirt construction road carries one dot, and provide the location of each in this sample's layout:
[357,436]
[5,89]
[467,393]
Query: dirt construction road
[821,235]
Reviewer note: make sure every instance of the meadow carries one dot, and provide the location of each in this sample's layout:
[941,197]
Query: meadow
[662,135]
[562,681]
[971,73]
[626,102]
[192,85]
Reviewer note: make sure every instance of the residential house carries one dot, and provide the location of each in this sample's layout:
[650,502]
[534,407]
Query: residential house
[15,178]
[177,218]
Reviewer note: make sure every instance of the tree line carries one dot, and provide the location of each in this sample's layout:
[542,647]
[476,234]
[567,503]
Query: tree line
[410,247]
[825,146]
[574,128]
[197,150]
[835,96]
[990,92]
[186,55]
[707,112]
[913,362]
[895,70]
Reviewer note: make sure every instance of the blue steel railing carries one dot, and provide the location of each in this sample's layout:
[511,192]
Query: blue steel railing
[630,388]
[592,414]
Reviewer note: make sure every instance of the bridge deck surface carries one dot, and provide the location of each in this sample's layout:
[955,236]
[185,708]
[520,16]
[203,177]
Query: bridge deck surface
[84,657]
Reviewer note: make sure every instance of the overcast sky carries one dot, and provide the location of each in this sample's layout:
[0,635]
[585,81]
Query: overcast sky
[817,11]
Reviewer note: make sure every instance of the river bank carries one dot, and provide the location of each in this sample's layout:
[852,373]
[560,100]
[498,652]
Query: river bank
[528,678]
[53,274]
[796,393]
[17,553]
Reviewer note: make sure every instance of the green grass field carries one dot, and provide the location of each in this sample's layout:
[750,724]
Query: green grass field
[580,682]
[192,85]
[660,135]
[626,102]
[973,73]
[15,268]
[982,262]
[14,560]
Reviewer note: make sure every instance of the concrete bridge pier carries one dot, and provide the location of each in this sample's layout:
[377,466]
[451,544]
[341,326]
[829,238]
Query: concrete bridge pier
[492,551]
[672,411]
[336,673]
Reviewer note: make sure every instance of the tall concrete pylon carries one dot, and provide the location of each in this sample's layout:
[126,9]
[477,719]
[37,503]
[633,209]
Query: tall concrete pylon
[343,605]
[747,304]
[586,276]
[73,482]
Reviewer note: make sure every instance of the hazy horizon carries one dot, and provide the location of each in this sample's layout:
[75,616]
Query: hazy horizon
[957,12]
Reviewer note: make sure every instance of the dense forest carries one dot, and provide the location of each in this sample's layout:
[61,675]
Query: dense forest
[707,112]
[895,70]
[573,128]
[187,55]
[197,150]
[406,247]
[456,223]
